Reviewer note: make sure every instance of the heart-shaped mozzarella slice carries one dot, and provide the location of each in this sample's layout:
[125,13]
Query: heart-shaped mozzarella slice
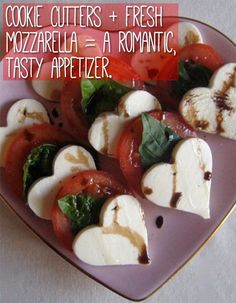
[44,86]
[105,131]
[186,183]
[188,34]
[185,33]
[213,109]
[22,113]
[136,102]
[69,160]
[121,237]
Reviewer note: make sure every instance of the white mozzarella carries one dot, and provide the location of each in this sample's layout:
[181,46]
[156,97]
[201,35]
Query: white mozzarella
[46,87]
[224,79]
[121,237]
[22,113]
[188,34]
[213,109]
[186,183]
[49,89]
[105,131]
[136,102]
[185,33]
[68,161]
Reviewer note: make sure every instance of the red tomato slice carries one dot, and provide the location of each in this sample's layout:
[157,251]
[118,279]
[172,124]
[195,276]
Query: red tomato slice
[122,71]
[131,138]
[203,54]
[148,65]
[72,111]
[21,145]
[198,53]
[93,182]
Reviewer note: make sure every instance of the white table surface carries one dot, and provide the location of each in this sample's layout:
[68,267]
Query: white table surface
[30,272]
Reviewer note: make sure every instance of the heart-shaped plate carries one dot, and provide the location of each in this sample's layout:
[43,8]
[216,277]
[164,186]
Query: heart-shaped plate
[181,235]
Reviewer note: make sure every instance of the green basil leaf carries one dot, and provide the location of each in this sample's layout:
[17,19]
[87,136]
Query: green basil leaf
[82,210]
[191,75]
[158,141]
[38,164]
[100,95]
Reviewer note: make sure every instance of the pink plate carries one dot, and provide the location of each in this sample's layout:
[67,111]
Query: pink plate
[181,235]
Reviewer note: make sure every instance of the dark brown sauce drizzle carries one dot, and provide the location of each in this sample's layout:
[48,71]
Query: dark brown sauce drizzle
[219,120]
[147,191]
[201,124]
[126,115]
[207,176]
[221,102]
[105,131]
[191,38]
[122,108]
[143,257]
[221,99]
[175,199]
[159,221]
[175,196]
[230,83]
[202,164]
[134,238]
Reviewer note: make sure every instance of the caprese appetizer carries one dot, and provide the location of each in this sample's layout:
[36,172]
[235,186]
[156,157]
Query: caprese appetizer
[152,134]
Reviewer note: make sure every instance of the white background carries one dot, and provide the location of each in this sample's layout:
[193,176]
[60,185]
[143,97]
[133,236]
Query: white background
[30,272]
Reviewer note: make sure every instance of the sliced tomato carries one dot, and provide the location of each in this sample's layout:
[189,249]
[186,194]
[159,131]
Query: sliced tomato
[92,182]
[131,138]
[169,69]
[203,54]
[198,53]
[148,65]
[72,110]
[21,145]
[121,70]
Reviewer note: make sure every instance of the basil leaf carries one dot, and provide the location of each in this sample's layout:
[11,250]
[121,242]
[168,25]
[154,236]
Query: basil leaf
[191,75]
[100,95]
[158,141]
[38,164]
[82,210]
